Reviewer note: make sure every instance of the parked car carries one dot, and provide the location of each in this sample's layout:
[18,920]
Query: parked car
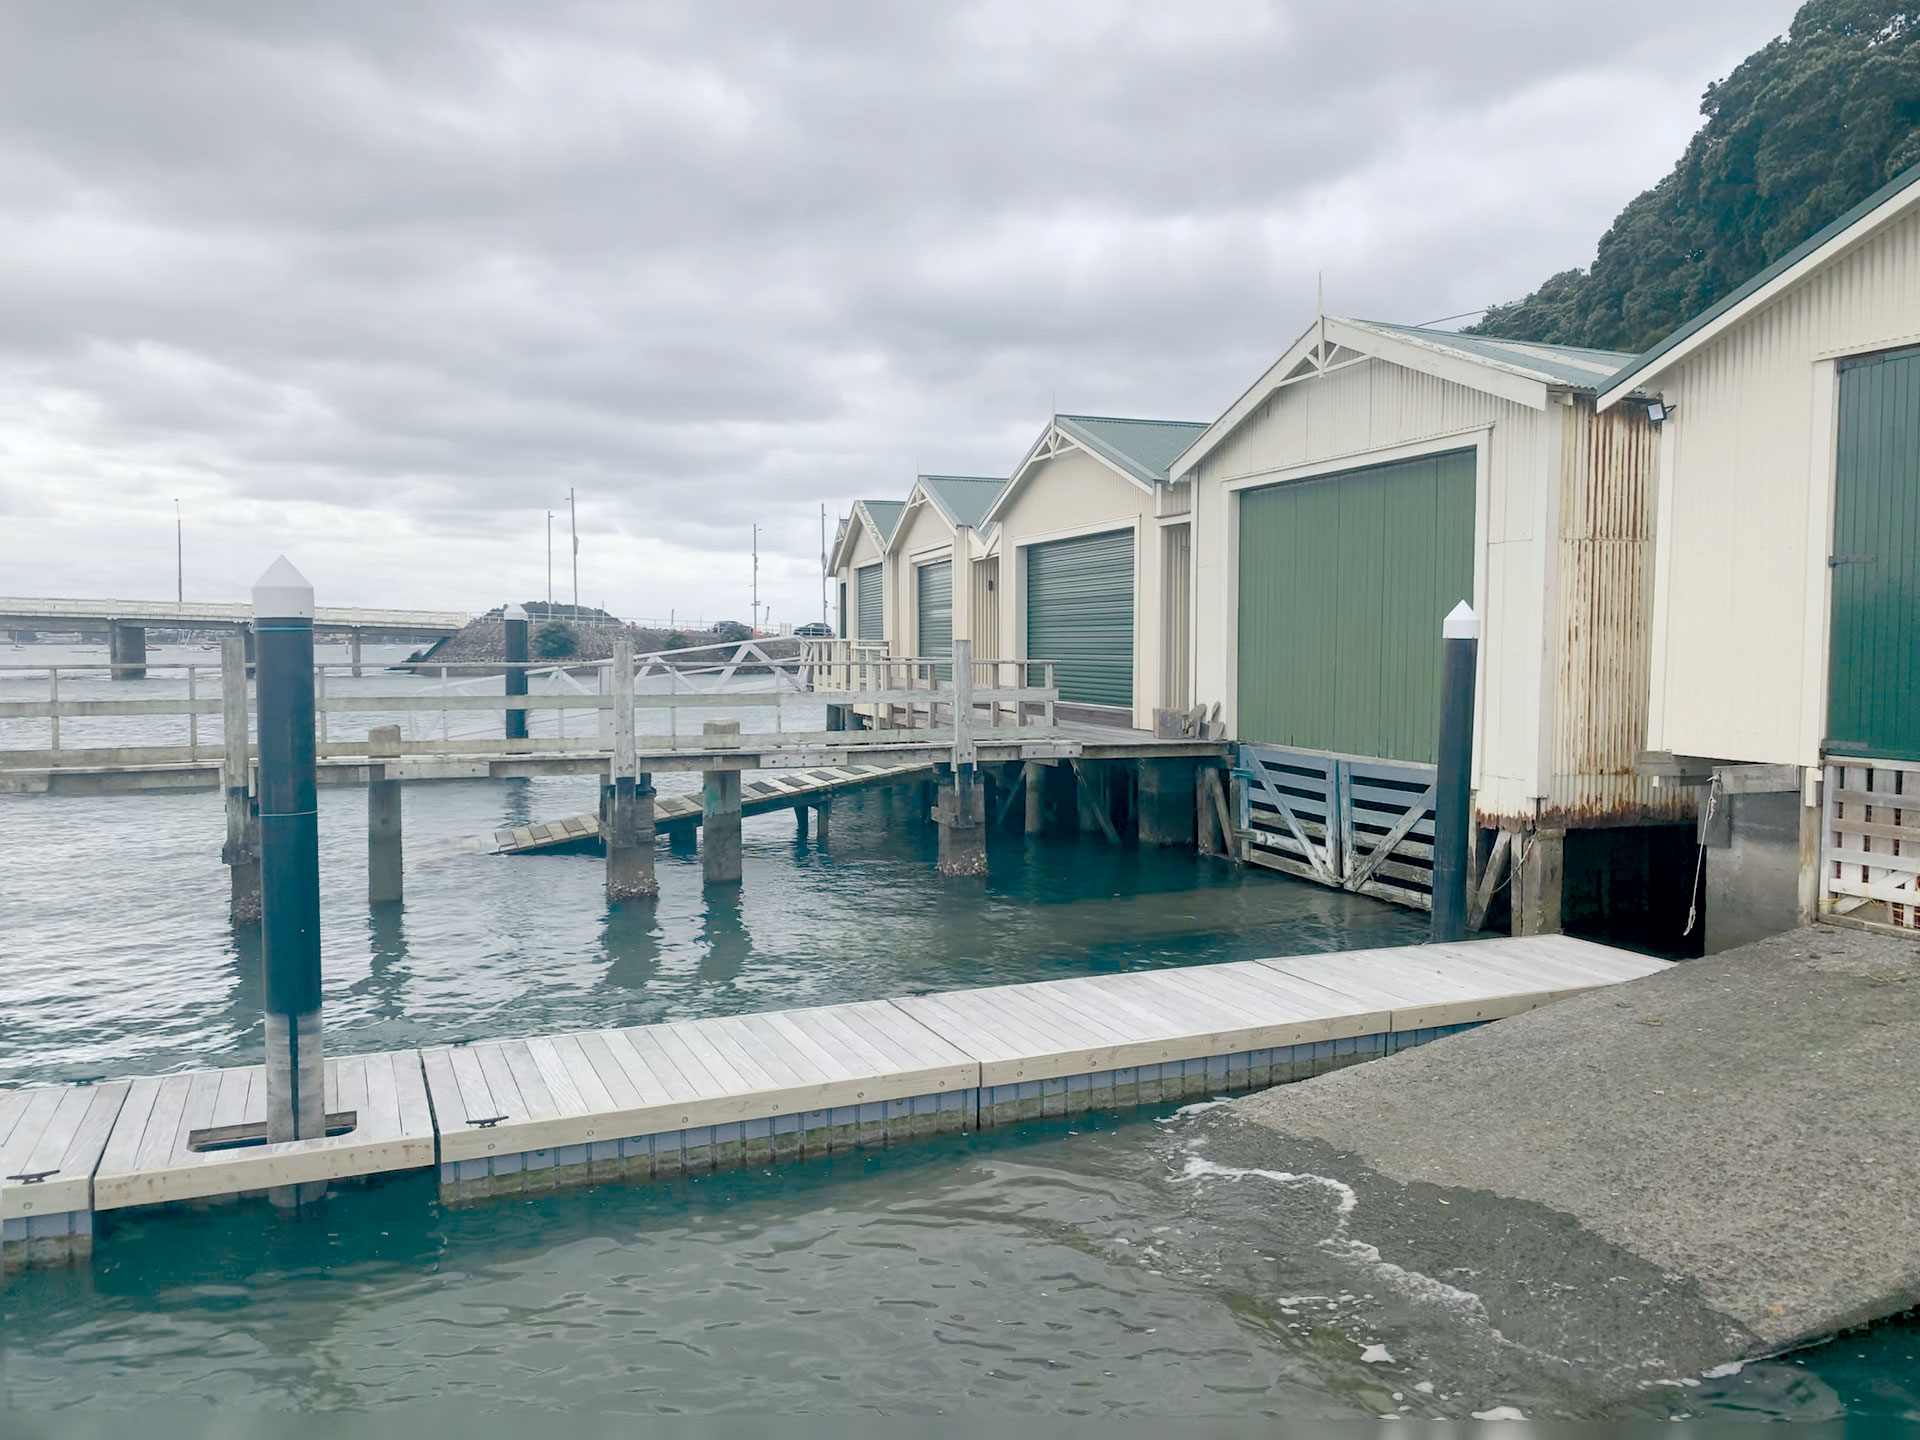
[815,630]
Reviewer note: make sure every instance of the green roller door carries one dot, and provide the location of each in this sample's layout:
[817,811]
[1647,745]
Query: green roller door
[1874,667]
[1344,581]
[872,603]
[933,599]
[1080,614]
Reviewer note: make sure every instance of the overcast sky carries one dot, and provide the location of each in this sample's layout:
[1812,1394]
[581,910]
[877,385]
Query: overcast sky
[375,283]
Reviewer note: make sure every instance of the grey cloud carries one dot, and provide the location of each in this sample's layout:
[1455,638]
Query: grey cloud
[389,278]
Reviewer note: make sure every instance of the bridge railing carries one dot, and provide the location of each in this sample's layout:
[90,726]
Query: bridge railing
[778,689]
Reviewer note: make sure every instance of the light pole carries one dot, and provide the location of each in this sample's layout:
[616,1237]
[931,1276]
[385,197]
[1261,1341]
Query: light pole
[179,557]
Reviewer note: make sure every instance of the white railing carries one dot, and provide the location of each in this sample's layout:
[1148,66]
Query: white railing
[1870,841]
[777,688]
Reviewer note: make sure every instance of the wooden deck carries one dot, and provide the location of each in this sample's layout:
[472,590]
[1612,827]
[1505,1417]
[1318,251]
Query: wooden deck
[199,1134]
[757,797]
[508,1115]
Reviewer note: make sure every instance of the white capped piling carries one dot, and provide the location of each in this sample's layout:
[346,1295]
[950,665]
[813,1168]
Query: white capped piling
[515,624]
[289,860]
[241,855]
[1453,792]
[384,842]
[626,804]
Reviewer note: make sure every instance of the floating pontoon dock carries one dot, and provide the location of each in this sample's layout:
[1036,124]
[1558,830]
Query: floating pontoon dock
[510,1115]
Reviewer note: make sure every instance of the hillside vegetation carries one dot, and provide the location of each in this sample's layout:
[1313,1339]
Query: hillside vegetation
[1798,134]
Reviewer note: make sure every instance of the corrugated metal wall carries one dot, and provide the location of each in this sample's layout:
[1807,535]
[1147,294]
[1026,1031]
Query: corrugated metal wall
[1080,613]
[1735,627]
[1176,612]
[1874,669]
[933,609]
[1344,580]
[986,609]
[1609,506]
[871,602]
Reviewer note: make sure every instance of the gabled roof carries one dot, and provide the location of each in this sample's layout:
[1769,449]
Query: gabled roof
[1138,451]
[880,517]
[1881,208]
[963,499]
[1517,370]
[1143,448]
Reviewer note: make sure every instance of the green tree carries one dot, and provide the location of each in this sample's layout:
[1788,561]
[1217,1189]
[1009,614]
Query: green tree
[555,640]
[1802,130]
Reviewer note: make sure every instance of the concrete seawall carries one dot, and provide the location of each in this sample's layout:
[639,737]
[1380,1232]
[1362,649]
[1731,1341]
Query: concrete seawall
[1710,1164]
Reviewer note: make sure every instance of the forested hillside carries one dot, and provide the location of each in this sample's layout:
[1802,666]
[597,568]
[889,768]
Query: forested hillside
[1800,132]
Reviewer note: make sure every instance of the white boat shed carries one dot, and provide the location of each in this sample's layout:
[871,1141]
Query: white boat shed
[1370,480]
[860,568]
[1785,656]
[945,568]
[1093,545]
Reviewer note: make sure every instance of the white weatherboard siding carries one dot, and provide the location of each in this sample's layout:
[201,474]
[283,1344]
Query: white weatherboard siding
[1564,642]
[1741,621]
[863,552]
[1074,494]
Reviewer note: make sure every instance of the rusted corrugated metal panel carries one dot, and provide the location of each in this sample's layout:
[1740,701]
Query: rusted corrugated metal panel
[1609,507]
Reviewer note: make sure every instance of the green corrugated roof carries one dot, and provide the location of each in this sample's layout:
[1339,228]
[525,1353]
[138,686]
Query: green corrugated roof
[965,498]
[1143,448]
[885,515]
[1767,276]
[1572,365]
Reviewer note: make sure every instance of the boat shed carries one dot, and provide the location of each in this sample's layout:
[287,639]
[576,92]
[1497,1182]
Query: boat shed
[1373,478]
[1093,542]
[946,567]
[1785,655]
[859,568]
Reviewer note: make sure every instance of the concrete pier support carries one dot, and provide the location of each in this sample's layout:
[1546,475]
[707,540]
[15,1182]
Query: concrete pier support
[353,651]
[800,822]
[720,811]
[1166,802]
[290,865]
[959,810]
[627,823]
[384,847]
[822,817]
[1036,796]
[241,854]
[127,646]
[1539,874]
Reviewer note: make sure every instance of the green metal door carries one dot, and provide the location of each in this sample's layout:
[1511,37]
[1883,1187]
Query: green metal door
[1080,614]
[933,597]
[1344,580]
[872,615]
[1873,688]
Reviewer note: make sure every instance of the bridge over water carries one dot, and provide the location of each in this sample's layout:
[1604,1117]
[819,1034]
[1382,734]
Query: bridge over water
[125,623]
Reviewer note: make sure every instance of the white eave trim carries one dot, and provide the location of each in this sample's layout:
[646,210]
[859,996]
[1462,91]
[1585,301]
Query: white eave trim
[1855,234]
[1053,440]
[1493,377]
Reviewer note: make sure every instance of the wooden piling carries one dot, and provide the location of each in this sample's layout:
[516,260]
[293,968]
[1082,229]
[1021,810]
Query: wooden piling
[627,803]
[720,810]
[1166,802]
[384,845]
[959,810]
[823,814]
[241,854]
[1036,788]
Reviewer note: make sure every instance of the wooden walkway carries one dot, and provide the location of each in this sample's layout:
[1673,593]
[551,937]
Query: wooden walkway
[508,1115]
[757,797]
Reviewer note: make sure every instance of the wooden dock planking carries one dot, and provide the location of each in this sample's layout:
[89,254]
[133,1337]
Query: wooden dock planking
[758,796]
[147,1157]
[694,1093]
[692,1073]
[57,1134]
